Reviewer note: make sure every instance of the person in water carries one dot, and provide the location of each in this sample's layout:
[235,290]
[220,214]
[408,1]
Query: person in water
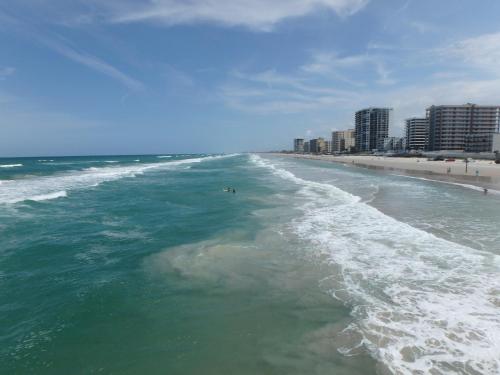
[234,191]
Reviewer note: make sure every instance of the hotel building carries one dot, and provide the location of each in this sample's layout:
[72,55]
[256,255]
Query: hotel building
[317,146]
[372,126]
[343,141]
[467,127]
[417,133]
[298,145]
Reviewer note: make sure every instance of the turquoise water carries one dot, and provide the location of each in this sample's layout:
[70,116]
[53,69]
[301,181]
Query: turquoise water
[142,264]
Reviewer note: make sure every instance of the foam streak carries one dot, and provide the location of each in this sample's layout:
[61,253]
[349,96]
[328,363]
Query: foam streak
[422,304]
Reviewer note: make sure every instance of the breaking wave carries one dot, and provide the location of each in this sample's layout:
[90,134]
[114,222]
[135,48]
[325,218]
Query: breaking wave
[52,187]
[421,304]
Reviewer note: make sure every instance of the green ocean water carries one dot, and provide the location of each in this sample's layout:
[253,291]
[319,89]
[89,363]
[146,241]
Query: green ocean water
[143,264]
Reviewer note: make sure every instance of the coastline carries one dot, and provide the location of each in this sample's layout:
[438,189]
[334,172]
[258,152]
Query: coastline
[488,172]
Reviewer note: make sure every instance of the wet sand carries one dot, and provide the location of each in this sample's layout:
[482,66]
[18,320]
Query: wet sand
[480,173]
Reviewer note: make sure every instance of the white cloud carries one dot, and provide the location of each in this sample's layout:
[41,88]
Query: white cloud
[255,14]
[481,52]
[413,100]
[346,67]
[384,74]
[269,92]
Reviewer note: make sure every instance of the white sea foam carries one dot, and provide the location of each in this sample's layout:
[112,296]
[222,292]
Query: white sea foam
[10,165]
[467,186]
[164,156]
[52,186]
[111,161]
[45,160]
[422,304]
[49,196]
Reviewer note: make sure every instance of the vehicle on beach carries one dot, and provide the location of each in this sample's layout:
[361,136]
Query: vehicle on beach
[436,158]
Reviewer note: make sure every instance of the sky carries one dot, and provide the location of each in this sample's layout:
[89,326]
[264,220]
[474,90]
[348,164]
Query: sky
[174,76]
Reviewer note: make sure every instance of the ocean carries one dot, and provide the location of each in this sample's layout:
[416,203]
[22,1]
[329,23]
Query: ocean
[144,264]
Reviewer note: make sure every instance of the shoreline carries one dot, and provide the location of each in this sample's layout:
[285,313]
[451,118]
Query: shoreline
[488,172]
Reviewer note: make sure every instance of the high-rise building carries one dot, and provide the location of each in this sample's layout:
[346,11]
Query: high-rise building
[307,147]
[496,143]
[343,141]
[328,147]
[317,145]
[372,126]
[417,133]
[467,127]
[298,145]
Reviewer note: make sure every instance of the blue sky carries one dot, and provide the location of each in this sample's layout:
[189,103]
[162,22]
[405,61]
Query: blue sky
[130,76]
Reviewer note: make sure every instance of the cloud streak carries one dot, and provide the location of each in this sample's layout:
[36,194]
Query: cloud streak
[91,62]
[261,15]
[269,92]
[343,68]
[64,48]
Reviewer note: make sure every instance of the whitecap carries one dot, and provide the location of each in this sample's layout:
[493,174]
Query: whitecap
[27,188]
[49,196]
[466,186]
[10,165]
[421,304]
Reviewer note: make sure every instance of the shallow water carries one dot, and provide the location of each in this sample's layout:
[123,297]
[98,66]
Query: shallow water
[143,264]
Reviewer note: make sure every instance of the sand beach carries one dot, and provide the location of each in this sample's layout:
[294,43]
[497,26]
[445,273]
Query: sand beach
[480,173]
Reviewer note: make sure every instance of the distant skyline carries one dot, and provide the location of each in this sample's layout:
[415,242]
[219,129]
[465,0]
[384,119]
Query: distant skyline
[174,76]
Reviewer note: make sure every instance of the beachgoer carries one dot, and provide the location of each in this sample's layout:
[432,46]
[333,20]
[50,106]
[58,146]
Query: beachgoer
[234,190]
[485,191]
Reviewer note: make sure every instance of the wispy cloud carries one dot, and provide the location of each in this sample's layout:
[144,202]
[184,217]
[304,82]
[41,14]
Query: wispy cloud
[315,87]
[6,71]
[384,74]
[423,27]
[91,62]
[270,92]
[65,48]
[345,68]
[481,52]
[260,15]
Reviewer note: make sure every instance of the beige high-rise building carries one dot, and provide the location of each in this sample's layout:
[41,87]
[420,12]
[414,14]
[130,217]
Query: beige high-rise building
[417,133]
[317,145]
[343,141]
[467,127]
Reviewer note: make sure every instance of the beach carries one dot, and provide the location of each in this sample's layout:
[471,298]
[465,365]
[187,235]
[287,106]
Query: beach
[480,173]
